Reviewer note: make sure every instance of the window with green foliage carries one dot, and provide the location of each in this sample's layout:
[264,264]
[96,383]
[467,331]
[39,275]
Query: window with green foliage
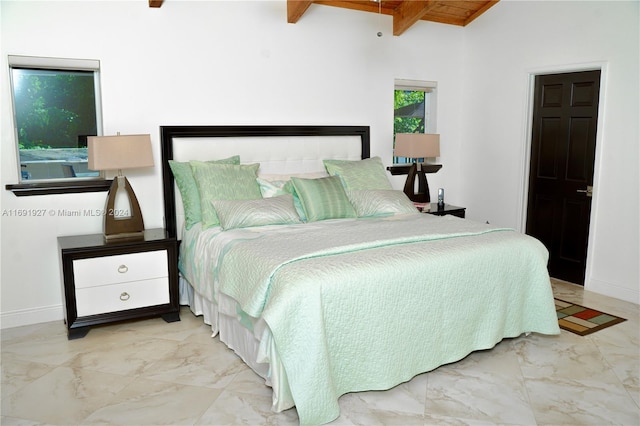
[56,106]
[413,109]
[408,114]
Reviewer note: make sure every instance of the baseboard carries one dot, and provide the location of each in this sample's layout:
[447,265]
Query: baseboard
[613,290]
[31,316]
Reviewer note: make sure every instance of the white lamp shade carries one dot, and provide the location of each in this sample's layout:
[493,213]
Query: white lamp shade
[417,145]
[119,152]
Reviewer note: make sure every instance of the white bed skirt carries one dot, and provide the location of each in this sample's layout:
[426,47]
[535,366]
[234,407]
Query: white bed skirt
[256,348]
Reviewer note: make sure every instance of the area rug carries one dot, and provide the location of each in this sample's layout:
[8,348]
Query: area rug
[582,321]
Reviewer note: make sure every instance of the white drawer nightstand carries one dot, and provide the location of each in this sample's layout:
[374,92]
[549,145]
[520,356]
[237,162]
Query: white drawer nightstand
[106,282]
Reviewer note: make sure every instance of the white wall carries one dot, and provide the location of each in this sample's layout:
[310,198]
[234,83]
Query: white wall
[503,49]
[205,63]
[241,63]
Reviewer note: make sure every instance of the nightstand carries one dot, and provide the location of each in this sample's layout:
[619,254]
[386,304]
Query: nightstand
[105,282]
[447,209]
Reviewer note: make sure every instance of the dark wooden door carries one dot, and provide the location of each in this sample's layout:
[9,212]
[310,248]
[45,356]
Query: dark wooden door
[563,144]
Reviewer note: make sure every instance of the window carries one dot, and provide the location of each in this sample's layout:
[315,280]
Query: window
[56,104]
[413,109]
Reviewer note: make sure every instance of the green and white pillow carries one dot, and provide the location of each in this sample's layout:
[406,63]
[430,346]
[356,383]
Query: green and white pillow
[274,188]
[362,174]
[223,182]
[323,198]
[264,211]
[380,202]
[189,191]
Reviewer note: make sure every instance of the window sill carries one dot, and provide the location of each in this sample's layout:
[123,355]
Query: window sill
[62,187]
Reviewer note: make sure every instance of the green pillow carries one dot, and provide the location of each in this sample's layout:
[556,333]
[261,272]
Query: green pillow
[362,174]
[189,191]
[380,202]
[223,182]
[264,211]
[274,188]
[323,198]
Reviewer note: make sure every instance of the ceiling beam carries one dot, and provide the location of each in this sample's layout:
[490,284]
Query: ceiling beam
[405,13]
[364,5]
[296,8]
[408,13]
[155,3]
[480,11]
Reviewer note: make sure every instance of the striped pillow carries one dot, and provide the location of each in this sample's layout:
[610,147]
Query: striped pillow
[323,198]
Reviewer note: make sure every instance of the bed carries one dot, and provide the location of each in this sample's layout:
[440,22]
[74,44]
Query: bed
[322,296]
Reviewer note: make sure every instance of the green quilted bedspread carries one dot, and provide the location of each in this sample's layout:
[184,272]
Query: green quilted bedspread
[367,304]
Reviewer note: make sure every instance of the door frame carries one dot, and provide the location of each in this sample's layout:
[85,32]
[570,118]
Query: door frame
[527,139]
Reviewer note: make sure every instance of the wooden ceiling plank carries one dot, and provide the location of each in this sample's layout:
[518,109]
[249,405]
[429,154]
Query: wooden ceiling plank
[465,4]
[405,12]
[480,11]
[386,8]
[296,8]
[441,19]
[410,12]
[453,13]
[155,3]
[451,9]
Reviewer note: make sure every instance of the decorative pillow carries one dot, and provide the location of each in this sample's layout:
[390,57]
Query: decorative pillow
[323,198]
[380,202]
[189,191]
[363,174]
[223,182]
[274,188]
[264,211]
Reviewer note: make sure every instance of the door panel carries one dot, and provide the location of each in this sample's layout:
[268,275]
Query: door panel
[578,168]
[548,150]
[562,157]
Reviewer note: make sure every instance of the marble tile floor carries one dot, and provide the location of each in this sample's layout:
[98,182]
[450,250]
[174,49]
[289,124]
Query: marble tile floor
[150,373]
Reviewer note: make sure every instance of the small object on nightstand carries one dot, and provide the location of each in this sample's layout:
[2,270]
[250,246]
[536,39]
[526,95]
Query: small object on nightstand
[105,282]
[440,198]
[447,209]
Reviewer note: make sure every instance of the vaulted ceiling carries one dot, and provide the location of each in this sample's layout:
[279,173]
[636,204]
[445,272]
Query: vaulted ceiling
[405,12]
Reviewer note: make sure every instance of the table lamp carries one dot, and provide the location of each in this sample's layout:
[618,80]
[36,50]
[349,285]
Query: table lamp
[417,146]
[117,153]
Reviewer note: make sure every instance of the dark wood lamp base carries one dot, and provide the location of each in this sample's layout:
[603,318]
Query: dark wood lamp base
[119,228]
[422,196]
[411,170]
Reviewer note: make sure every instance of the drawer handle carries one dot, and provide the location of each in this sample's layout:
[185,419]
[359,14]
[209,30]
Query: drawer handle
[124,296]
[123,269]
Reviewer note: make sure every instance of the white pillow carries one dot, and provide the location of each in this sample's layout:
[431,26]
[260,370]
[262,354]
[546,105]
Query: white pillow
[264,211]
[380,202]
